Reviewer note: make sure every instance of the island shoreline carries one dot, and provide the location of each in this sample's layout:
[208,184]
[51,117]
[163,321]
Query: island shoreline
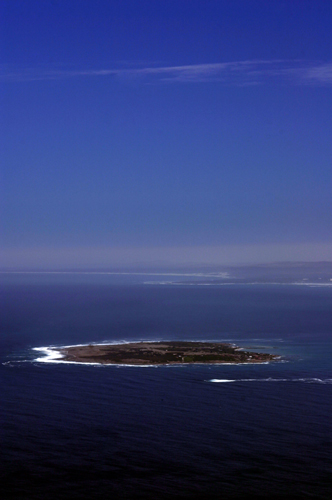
[156,353]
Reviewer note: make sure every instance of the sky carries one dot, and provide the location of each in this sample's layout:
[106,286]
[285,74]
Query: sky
[170,132]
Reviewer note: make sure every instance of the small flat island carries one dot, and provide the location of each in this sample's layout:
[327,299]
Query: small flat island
[162,353]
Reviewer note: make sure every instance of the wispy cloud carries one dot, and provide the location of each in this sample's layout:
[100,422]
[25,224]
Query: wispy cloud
[237,73]
[319,74]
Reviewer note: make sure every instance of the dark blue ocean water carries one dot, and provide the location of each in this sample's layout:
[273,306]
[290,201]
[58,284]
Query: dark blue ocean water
[77,431]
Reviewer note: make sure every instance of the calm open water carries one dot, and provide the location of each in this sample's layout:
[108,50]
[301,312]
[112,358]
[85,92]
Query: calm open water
[201,431]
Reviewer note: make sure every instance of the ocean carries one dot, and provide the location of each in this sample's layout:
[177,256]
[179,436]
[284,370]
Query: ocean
[71,431]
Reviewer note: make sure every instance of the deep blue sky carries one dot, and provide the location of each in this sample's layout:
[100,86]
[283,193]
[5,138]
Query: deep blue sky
[144,130]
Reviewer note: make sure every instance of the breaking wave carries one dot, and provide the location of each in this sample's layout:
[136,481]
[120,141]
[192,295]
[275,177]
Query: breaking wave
[308,380]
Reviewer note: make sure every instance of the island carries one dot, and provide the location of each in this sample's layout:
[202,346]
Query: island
[162,353]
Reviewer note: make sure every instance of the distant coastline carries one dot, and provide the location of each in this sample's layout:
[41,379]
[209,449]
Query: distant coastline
[282,273]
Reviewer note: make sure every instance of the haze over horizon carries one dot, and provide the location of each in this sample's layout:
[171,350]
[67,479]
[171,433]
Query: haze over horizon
[166,132]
